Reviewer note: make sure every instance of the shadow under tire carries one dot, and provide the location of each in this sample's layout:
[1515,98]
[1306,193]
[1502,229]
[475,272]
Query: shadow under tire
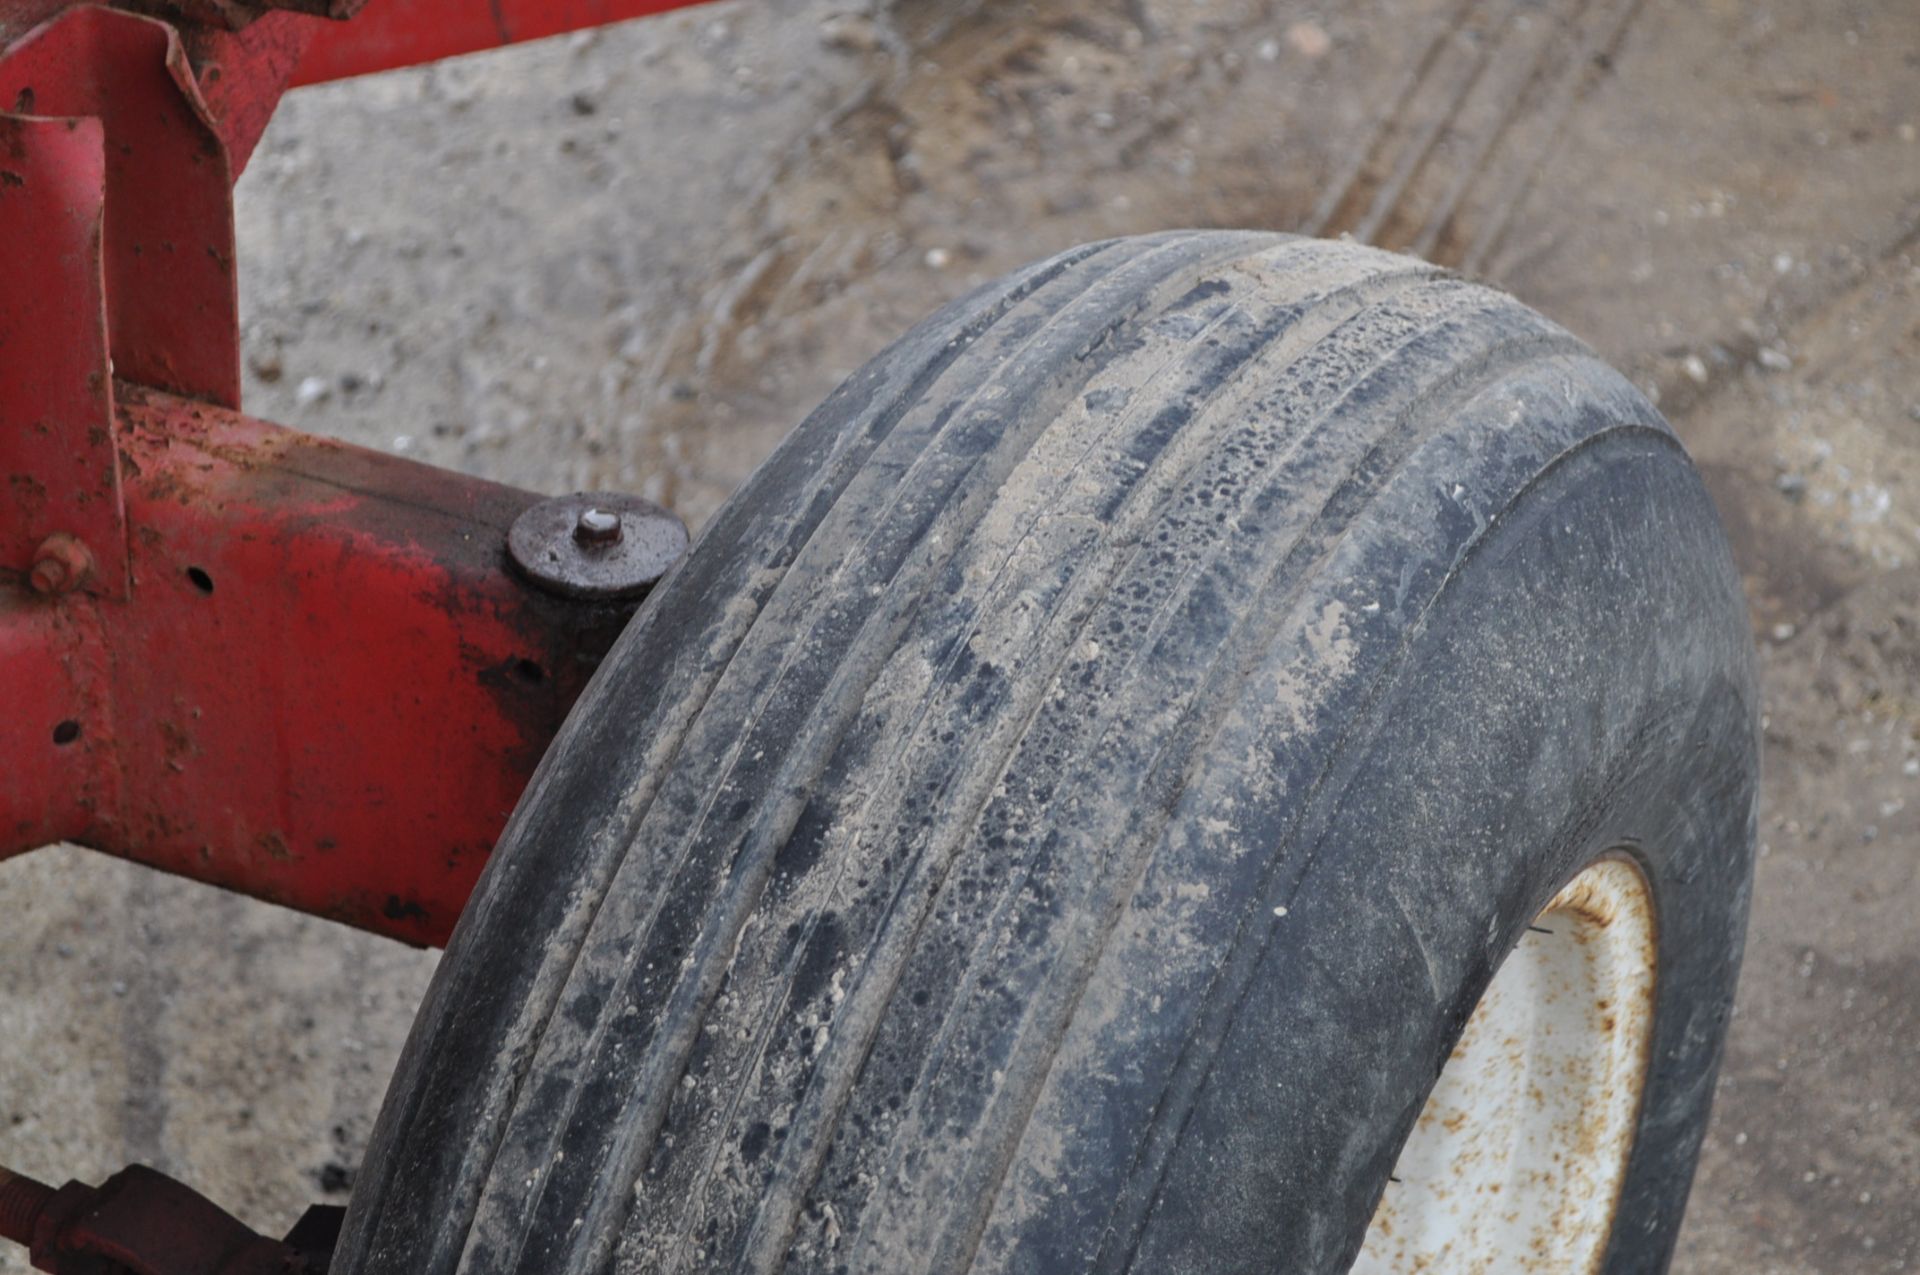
[1065,810]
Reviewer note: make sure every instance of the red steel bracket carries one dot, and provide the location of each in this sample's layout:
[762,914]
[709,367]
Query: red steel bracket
[166,250]
[325,687]
[57,457]
[116,231]
[140,1222]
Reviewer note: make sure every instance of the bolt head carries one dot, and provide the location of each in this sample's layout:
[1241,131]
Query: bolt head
[60,565]
[597,527]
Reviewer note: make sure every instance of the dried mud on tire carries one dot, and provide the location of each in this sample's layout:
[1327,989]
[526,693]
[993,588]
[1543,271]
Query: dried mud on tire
[1064,810]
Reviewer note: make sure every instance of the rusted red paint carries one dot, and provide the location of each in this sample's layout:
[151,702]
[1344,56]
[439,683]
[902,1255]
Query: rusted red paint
[17,17]
[166,254]
[242,75]
[57,460]
[44,784]
[325,688]
[395,33]
[290,667]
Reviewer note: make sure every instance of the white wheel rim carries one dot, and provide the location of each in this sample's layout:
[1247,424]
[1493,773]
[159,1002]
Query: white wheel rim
[1518,1157]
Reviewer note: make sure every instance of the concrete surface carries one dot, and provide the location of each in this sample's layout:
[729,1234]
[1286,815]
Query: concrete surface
[632,258]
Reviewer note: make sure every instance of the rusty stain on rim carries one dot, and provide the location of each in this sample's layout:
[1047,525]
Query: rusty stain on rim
[1517,1161]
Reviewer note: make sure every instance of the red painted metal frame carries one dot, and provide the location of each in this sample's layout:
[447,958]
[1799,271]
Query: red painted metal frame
[276,663]
[393,33]
[283,665]
[324,688]
[57,457]
[166,253]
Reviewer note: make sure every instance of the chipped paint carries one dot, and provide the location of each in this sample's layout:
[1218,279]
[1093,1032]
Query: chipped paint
[324,689]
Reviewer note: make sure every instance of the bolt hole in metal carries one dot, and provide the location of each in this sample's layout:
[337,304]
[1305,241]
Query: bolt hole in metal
[201,580]
[529,672]
[66,732]
[1517,1160]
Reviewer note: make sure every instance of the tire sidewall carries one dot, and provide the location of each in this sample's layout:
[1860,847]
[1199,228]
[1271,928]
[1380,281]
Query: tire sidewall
[1579,688]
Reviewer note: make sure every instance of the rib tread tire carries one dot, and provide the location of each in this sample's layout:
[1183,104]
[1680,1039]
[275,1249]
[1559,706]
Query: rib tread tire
[909,887]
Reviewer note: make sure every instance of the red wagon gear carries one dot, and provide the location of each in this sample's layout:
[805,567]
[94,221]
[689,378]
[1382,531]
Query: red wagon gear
[280,664]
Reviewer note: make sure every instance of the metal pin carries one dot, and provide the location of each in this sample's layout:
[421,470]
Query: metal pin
[597,527]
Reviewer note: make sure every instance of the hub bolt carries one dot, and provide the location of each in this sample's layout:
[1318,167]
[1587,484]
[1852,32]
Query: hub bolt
[597,527]
[601,546]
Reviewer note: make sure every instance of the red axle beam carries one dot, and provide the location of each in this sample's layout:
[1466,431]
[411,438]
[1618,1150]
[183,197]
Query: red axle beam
[324,687]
